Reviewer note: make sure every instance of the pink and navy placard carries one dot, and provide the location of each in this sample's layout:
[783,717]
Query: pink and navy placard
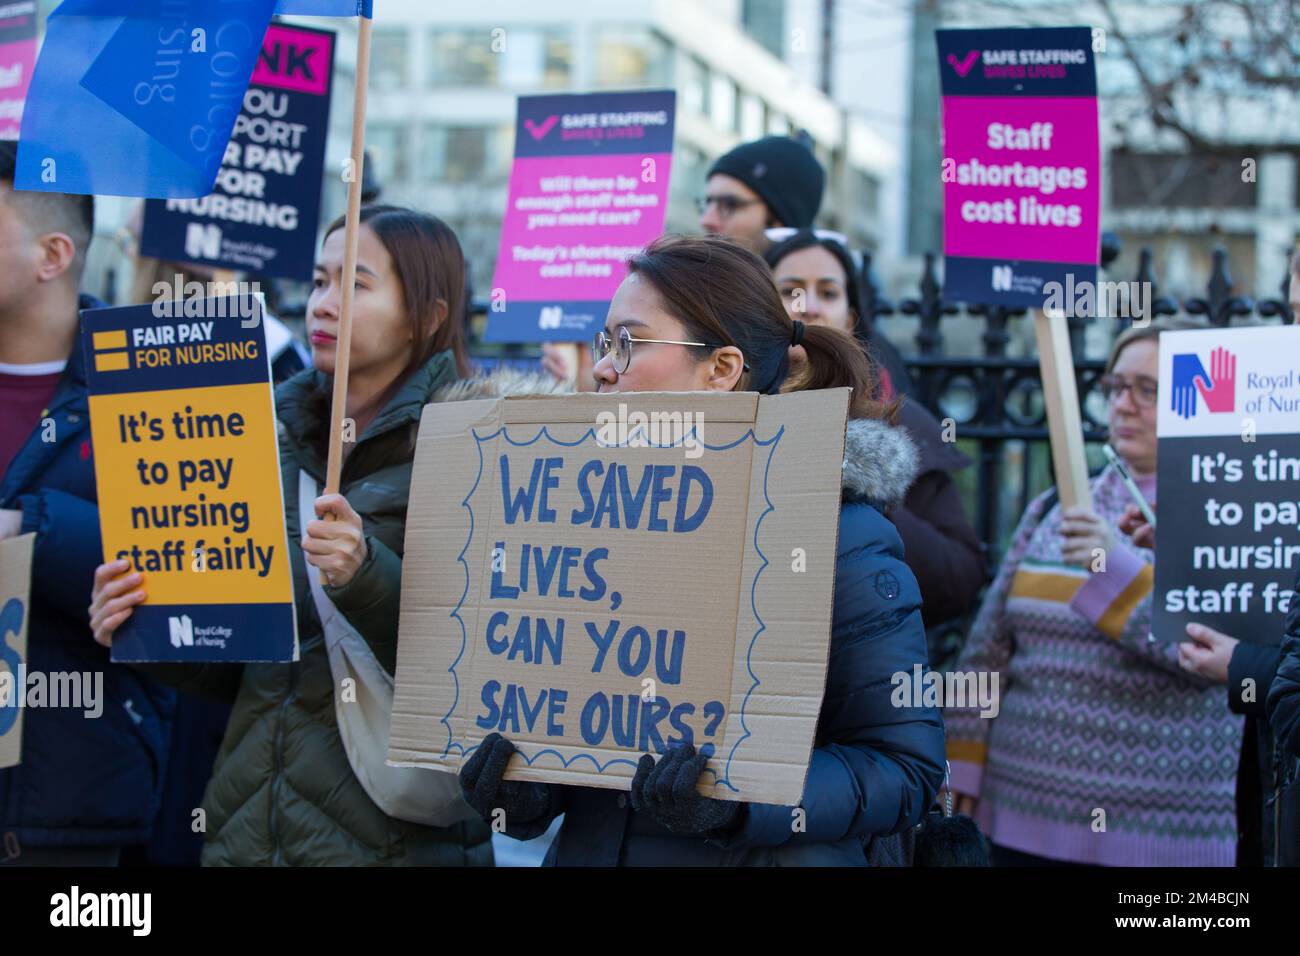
[588,189]
[17,57]
[1021,162]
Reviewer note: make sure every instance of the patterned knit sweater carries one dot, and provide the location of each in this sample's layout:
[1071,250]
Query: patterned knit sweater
[1094,716]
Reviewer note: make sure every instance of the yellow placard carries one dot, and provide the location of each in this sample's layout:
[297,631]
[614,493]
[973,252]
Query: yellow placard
[187,503]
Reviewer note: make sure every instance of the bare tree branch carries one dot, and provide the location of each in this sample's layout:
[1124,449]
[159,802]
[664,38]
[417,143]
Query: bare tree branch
[1194,61]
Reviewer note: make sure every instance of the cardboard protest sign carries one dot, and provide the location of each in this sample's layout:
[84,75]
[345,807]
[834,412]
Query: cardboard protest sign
[588,189]
[1228,481]
[17,57]
[263,212]
[188,476]
[597,577]
[1021,165]
[15,610]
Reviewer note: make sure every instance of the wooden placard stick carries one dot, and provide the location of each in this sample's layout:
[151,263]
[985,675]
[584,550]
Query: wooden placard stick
[351,236]
[1061,398]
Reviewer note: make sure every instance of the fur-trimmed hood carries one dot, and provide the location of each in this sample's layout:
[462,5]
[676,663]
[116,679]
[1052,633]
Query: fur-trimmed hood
[880,462]
[500,383]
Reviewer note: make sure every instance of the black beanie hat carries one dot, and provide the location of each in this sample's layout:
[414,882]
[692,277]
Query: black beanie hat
[784,173]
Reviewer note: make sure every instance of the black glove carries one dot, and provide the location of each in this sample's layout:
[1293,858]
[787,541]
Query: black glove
[523,802]
[666,790]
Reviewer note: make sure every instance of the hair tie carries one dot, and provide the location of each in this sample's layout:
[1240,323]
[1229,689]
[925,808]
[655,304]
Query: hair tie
[796,336]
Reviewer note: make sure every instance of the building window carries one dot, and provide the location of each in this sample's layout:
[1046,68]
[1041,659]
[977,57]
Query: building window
[465,154]
[521,58]
[751,117]
[688,172]
[688,181]
[463,58]
[537,59]
[631,56]
[557,63]
[694,85]
[388,145]
[866,190]
[764,20]
[389,62]
[722,103]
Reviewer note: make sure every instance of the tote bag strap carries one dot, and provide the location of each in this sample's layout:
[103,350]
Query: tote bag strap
[363,708]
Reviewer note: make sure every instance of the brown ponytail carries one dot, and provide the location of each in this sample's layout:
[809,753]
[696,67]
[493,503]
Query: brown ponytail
[723,293]
[836,360]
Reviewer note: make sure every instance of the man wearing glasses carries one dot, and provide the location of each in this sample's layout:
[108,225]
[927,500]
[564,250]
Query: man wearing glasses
[770,183]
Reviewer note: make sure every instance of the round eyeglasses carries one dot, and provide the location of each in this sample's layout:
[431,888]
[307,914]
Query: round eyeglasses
[620,347]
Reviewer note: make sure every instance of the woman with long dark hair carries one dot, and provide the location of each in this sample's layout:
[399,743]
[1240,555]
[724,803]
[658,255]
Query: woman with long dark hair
[283,791]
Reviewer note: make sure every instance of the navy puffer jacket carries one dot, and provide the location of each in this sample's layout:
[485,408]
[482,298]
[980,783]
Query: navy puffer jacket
[84,780]
[875,768]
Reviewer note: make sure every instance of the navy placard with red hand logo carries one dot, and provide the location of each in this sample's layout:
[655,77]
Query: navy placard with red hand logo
[1228,469]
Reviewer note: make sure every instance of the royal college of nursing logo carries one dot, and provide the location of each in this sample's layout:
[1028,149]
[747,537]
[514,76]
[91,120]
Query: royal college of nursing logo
[550,317]
[181,631]
[1218,388]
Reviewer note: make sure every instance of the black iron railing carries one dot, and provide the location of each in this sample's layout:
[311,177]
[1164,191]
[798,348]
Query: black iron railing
[996,401]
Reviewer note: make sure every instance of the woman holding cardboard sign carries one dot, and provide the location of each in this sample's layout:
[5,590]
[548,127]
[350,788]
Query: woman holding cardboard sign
[285,790]
[702,314]
[1105,750]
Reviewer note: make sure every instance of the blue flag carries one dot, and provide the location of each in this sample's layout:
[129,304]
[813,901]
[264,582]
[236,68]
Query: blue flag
[139,97]
[326,8]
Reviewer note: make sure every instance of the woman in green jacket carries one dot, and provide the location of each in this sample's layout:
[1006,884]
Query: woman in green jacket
[282,790]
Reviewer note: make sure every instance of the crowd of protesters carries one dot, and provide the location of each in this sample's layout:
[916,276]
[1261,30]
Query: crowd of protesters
[1107,749]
